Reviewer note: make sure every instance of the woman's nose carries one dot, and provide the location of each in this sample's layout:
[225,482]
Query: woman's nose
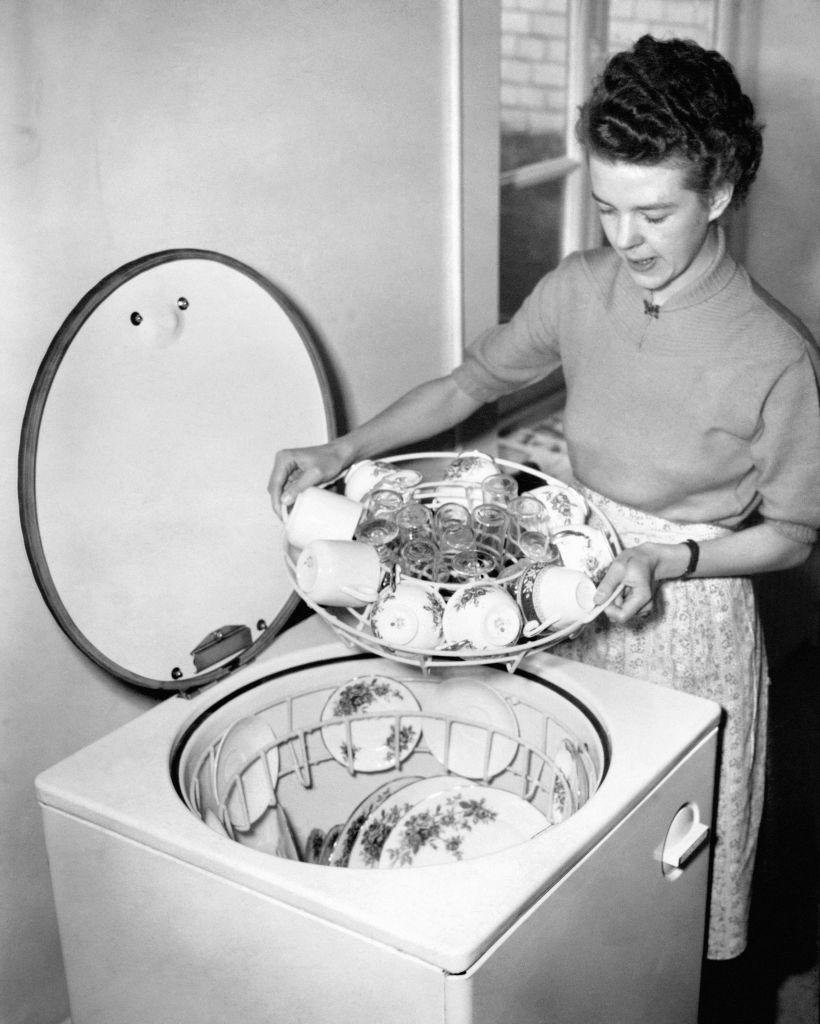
[627,234]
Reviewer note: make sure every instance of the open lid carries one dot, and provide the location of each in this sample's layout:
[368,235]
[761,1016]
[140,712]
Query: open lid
[146,448]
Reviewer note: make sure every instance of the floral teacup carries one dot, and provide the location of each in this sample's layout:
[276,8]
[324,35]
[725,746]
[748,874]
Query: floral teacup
[409,615]
[482,616]
[554,596]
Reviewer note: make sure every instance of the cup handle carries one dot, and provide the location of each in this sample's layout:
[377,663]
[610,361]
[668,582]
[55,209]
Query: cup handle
[534,627]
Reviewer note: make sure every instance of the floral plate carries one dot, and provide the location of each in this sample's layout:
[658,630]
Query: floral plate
[565,506]
[344,844]
[375,831]
[473,751]
[469,821]
[375,743]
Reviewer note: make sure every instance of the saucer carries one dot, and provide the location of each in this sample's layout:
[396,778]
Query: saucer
[467,822]
[241,767]
[374,832]
[373,740]
[474,751]
[584,548]
[564,505]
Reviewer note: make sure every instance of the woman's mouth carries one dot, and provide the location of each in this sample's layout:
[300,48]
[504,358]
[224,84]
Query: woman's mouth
[642,266]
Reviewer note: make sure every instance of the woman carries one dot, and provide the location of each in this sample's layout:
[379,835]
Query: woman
[692,413]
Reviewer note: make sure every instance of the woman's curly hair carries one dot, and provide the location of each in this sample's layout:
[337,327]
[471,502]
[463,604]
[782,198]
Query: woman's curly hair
[672,100]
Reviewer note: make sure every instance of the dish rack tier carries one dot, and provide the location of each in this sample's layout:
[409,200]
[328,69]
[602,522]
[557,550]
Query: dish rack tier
[352,626]
[545,763]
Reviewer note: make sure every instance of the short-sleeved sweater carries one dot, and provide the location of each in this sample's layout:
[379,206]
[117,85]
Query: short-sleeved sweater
[705,413]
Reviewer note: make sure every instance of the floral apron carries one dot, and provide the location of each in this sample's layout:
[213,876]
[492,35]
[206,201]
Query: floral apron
[703,637]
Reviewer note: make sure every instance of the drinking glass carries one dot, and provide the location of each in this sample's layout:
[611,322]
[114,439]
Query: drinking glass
[383,503]
[491,524]
[381,533]
[469,566]
[527,516]
[414,522]
[451,514]
[499,489]
[422,559]
[456,539]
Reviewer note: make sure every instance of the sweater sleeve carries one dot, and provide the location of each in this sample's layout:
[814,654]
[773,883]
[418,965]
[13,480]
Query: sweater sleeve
[786,452]
[521,352]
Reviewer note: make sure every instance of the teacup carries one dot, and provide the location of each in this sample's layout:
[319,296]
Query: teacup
[318,514]
[363,477]
[409,615]
[482,616]
[553,596]
[339,573]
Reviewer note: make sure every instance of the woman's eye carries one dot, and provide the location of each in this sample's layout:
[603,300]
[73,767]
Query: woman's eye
[656,220]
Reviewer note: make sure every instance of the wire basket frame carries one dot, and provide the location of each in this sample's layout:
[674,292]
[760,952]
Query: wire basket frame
[353,626]
[531,771]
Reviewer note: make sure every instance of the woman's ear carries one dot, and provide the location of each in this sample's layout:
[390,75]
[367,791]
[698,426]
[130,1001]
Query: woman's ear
[720,198]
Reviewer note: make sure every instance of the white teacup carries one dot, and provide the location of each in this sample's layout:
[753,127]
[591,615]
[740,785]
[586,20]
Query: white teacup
[483,616]
[339,573]
[317,514]
[409,615]
[554,596]
[363,477]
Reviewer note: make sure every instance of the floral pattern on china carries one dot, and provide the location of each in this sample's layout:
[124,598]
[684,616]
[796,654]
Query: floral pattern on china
[466,822]
[375,744]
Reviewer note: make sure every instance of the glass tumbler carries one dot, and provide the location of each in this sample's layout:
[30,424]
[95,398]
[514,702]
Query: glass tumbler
[499,489]
[451,514]
[490,524]
[414,522]
[527,515]
[383,503]
[469,566]
[381,533]
[422,559]
[455,539]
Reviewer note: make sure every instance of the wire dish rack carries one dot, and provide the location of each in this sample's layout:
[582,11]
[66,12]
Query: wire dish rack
[307,769]
[353,625]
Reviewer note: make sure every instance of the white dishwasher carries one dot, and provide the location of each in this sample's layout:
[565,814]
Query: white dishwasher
[144,537]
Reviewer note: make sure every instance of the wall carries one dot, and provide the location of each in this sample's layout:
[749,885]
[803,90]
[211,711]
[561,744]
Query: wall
[318,141]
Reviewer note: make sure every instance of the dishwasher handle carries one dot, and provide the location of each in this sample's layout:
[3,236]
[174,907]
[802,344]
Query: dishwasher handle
[686,835]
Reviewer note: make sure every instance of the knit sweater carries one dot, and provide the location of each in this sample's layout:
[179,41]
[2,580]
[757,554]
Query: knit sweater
[707,412]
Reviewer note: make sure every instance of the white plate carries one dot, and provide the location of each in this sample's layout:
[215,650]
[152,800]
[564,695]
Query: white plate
[239,755]
[467,822]
[344,845]
[373,740]
[376,829]
[470,701]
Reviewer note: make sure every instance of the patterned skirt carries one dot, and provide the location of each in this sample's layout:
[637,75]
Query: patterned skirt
[703,636]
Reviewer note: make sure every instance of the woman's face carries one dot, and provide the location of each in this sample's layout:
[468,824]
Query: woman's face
[657,225]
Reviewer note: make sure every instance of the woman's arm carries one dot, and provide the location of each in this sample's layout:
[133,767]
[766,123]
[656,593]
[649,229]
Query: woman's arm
[758,549]
[424,411]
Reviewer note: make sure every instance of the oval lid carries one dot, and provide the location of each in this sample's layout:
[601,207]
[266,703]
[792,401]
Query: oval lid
[146,448]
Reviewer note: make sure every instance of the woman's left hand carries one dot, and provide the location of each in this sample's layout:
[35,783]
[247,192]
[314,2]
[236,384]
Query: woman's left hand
[637,569]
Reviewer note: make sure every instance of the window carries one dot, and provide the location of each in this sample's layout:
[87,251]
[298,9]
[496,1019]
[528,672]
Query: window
[550,52]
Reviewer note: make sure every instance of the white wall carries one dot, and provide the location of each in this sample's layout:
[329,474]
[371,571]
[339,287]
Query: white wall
[317,141]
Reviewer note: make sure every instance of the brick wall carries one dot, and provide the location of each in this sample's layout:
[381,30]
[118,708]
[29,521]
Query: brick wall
[533,50]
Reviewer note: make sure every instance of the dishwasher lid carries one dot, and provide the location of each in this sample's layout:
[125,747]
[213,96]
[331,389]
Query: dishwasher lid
[146,447]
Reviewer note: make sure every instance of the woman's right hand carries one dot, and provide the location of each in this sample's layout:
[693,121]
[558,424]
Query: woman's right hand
[295,469]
